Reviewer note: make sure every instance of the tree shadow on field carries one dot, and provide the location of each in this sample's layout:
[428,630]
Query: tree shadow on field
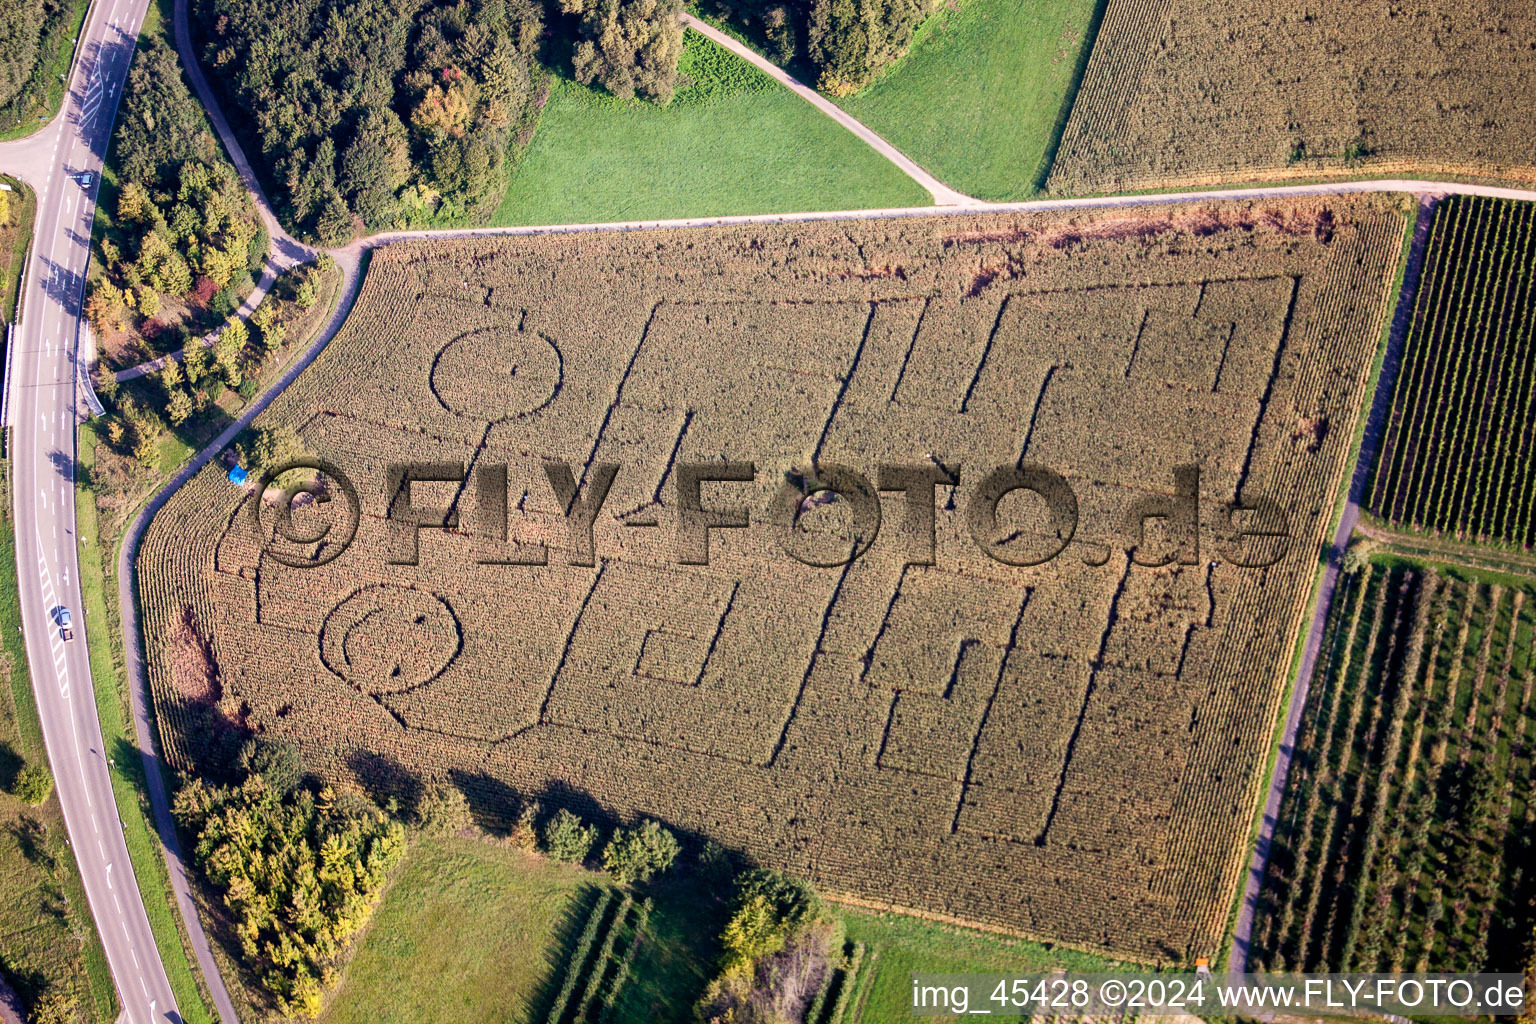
[385,779]
[560,952]
[31,836]
[561,794]
[492,802]
[11,764]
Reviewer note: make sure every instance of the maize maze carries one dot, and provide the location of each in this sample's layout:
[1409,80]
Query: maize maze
[1406,833]
[1071,749]
[1183,92]
[1458,455]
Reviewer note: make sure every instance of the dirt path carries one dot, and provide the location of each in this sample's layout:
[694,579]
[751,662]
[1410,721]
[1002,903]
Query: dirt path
[287,251]
[1446,549]
[269,274]
[1375,426]
[942,194]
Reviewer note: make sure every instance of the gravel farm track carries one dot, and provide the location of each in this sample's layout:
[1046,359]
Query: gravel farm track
[29,160]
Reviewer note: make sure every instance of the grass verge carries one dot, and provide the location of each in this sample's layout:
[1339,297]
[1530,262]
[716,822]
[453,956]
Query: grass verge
[733,142]
[980,99]
[15,236]
[47,939]
[108,674]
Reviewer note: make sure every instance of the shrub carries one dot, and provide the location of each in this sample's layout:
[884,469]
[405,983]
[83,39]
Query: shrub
[525,831]
[224,302]
[55,1008]
[629,46]
[567,838]
[33,784]
[639,854]
[276,761]
[443,810]
[256,254]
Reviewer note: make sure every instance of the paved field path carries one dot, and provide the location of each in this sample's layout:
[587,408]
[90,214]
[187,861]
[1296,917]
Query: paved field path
[1375,427]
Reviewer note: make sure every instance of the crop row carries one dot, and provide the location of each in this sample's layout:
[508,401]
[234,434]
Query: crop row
[596,970]
[1407,827]
[1457,456]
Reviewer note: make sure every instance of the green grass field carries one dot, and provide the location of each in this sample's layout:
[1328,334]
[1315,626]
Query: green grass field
[897,946]
[468,932]
[980,100]
[733,142]
[472,931]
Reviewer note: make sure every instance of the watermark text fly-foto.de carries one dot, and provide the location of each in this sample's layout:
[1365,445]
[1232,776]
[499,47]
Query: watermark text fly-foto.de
[1253,531]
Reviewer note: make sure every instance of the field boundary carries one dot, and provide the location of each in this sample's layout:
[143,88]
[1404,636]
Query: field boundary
[1359,475]
[1080,72]
[1443,551]
[353,262]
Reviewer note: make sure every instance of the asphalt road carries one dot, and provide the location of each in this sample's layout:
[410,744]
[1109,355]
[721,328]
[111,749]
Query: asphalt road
[43,410]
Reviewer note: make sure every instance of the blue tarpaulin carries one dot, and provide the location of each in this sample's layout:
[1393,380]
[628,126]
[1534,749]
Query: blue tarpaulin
[237,476]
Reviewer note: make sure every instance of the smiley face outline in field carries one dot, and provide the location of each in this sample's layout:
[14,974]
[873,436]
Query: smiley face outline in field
[384,639]
[528,364]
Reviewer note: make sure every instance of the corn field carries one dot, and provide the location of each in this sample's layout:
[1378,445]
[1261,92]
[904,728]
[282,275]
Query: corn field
[1070,750]
[1182,92]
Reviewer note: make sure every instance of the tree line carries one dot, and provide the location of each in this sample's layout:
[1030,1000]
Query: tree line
[183,225]
[367,114]
[371,115]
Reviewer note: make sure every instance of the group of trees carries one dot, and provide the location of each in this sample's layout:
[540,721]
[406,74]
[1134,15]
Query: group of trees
[848,42]
[632,855]
[300,871]
[187,388]
[21,31]
[183,223]
[370,113]
[852,41]
[378,114]
[628,46]
[779,950]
